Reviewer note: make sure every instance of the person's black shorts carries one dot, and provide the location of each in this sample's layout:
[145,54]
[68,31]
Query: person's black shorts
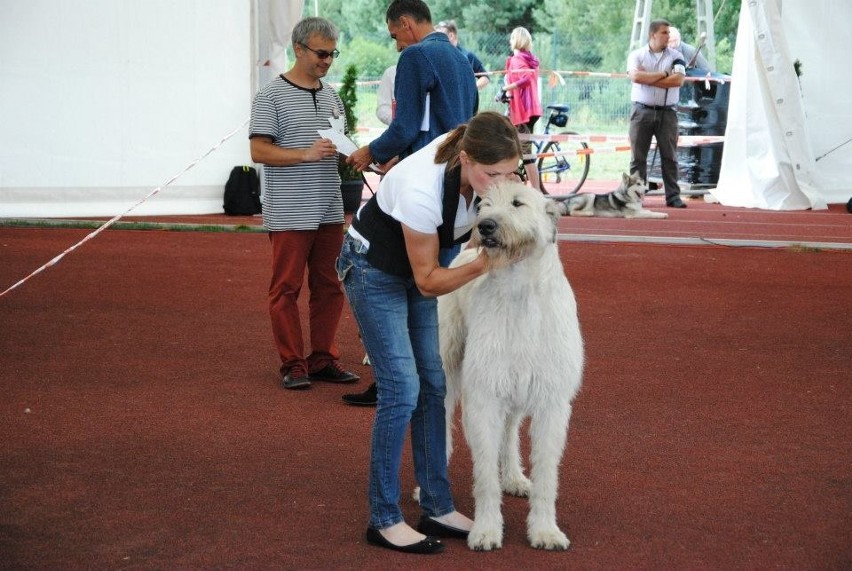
[526,146]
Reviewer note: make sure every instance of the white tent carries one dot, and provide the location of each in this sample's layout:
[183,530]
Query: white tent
[787,143]
[102,101]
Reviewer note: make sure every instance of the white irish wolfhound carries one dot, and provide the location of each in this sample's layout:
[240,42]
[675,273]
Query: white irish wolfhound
[512,349]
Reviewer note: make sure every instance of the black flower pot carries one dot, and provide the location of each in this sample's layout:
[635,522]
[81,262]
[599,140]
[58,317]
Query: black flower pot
[351,191]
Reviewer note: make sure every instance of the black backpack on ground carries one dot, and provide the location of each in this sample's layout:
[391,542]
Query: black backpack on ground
[242,192]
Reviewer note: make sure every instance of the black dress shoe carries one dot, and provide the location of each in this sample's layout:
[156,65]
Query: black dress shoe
[676,203]
[368,398]
[426,546]
[429,526]
[334,373]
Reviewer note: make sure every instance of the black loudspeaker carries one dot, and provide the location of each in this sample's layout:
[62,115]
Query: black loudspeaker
[701,110]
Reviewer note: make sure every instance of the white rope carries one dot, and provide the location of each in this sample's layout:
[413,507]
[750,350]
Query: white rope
[115,219]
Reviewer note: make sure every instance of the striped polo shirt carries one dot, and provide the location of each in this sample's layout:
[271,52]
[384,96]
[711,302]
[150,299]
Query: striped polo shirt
[304,195]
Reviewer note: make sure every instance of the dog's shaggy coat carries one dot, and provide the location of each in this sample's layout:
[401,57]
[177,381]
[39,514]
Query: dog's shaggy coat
[511,346]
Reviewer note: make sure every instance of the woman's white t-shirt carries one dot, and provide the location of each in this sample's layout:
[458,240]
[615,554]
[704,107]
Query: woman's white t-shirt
[412,193]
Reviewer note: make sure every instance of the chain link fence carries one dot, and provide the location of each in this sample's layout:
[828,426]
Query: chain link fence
[590,77]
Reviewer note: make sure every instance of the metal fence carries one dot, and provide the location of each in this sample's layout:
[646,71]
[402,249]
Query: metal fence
[599,104]
[587,74]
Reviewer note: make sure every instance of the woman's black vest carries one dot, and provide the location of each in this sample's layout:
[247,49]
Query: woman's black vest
[387,243]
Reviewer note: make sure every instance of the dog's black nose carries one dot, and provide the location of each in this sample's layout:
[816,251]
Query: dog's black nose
[486,227]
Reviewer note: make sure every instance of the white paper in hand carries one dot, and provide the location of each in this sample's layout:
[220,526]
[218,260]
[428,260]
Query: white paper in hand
[344,144]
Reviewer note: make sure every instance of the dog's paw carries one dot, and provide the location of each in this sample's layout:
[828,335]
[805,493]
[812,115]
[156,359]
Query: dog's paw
[485,539]
[550,538]
[517,486]
[415,495]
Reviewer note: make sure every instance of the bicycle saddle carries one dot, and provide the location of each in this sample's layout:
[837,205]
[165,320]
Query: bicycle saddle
[560,108]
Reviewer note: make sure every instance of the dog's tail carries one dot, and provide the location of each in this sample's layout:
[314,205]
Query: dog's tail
[563,202]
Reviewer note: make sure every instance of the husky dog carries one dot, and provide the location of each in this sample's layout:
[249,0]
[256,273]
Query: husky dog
[623,202]
[511,345]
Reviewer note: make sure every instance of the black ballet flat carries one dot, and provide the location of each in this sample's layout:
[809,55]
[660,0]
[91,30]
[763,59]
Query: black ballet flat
[429,526]
[427,546]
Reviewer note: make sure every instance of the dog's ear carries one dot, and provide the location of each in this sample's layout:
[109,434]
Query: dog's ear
[636,179]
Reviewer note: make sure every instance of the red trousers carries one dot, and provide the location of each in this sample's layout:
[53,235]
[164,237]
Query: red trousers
[292,252]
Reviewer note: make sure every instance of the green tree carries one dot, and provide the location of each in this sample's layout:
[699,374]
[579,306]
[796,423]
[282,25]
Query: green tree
[494,16]
[598,33]
[569,34]
[370,56]
[348,93]
[357,18]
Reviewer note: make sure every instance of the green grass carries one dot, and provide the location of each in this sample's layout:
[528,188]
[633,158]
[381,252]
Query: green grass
[94,224]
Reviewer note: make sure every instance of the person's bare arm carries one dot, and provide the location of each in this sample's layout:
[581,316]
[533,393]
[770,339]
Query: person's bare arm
[265,152]
[432,279]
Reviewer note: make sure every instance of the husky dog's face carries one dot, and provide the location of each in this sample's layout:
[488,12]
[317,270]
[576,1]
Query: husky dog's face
[634,187]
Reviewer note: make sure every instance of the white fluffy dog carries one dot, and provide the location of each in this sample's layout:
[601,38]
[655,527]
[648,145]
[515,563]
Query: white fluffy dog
[511,346]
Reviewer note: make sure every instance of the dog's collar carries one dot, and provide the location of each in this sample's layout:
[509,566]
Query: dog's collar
[616,202]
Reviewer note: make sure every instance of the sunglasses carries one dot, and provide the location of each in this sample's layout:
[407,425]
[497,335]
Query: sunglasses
[322,54]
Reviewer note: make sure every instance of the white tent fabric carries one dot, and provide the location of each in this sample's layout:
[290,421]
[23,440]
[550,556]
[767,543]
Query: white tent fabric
[276,22]
[103,101]
[775,130]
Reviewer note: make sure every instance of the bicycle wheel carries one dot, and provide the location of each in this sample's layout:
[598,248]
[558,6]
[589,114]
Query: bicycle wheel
[563,167]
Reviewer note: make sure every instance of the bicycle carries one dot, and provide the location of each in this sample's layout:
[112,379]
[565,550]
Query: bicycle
[554,164]
[570,166]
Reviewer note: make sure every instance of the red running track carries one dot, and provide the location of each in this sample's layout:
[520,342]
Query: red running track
[142,425]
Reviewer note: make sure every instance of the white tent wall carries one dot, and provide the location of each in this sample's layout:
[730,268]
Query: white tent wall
[780,128]
[102,101]
[816,33]
[274,31]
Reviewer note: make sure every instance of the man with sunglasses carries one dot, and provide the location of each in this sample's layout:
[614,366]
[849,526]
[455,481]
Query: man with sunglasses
[302,205]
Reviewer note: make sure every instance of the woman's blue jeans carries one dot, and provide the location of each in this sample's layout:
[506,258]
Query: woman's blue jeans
[399,330]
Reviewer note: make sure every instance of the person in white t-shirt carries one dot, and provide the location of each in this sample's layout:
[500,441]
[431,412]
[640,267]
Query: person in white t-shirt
[384,96]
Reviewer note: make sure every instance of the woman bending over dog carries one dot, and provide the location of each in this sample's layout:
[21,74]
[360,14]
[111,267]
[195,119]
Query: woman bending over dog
[391,274]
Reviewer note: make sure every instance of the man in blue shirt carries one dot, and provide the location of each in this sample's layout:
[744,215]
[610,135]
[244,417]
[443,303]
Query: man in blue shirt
[435,91]
[435,88]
